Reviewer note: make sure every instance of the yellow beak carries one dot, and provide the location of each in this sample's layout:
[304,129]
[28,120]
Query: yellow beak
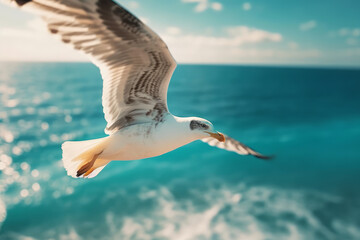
[219,136]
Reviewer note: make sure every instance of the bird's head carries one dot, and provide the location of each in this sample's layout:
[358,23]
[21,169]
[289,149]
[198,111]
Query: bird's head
[203,128]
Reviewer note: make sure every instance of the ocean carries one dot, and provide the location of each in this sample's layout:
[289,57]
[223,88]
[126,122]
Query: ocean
[309,118]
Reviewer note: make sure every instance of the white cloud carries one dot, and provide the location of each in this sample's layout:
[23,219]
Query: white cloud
[343,32]
[244,34]
[349,56]
[202,5]
[35,29]
[236,36]
[356,32]
[239,44]
[144,20]
[350,52]
[130,4]
[351,41]
[173,30]
[16,33]
[242,44]
[217,6]
[293,45]
[232,48]
[33,43]
[308,25]
[133,5]
[350,36]
[246,6]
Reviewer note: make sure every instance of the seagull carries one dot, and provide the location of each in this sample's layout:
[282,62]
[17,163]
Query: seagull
[136,67]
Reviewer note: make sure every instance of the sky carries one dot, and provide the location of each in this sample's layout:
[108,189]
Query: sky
[276,32]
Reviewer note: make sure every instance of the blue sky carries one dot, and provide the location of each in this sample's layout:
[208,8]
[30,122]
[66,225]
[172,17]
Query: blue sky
[284,32]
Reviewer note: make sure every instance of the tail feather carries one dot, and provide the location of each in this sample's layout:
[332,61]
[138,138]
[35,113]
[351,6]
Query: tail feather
[84,168]
[96,168]
[81,158]
[94,172]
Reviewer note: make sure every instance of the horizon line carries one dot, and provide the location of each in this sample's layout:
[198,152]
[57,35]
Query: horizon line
[283,65]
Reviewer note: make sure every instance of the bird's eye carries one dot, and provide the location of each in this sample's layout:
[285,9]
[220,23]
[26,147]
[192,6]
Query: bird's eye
[198,125]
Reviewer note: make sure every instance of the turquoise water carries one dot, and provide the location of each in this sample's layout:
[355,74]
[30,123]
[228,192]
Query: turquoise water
[309,118]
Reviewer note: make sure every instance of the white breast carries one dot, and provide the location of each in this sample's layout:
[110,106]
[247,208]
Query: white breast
[148,140]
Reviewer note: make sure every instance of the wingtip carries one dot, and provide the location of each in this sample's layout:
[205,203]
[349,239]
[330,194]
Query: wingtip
[15,3]
[19,3]
[259,155]
[263,157]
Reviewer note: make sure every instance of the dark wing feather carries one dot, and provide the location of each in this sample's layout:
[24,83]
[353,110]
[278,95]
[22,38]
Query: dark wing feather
[135,63]
[233,145]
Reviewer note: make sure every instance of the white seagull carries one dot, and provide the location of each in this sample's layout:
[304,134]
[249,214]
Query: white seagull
[136,67]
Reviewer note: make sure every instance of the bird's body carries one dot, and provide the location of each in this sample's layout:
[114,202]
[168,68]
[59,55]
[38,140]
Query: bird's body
[134,142]
[136,67]
[153,139]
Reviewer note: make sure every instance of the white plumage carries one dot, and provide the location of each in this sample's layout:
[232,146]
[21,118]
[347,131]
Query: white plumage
[136,67]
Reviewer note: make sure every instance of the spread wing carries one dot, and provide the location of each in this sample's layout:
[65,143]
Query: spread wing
[232,145]
[135,63]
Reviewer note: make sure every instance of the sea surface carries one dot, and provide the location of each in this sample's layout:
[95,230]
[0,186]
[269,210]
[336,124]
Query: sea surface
[308,118]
